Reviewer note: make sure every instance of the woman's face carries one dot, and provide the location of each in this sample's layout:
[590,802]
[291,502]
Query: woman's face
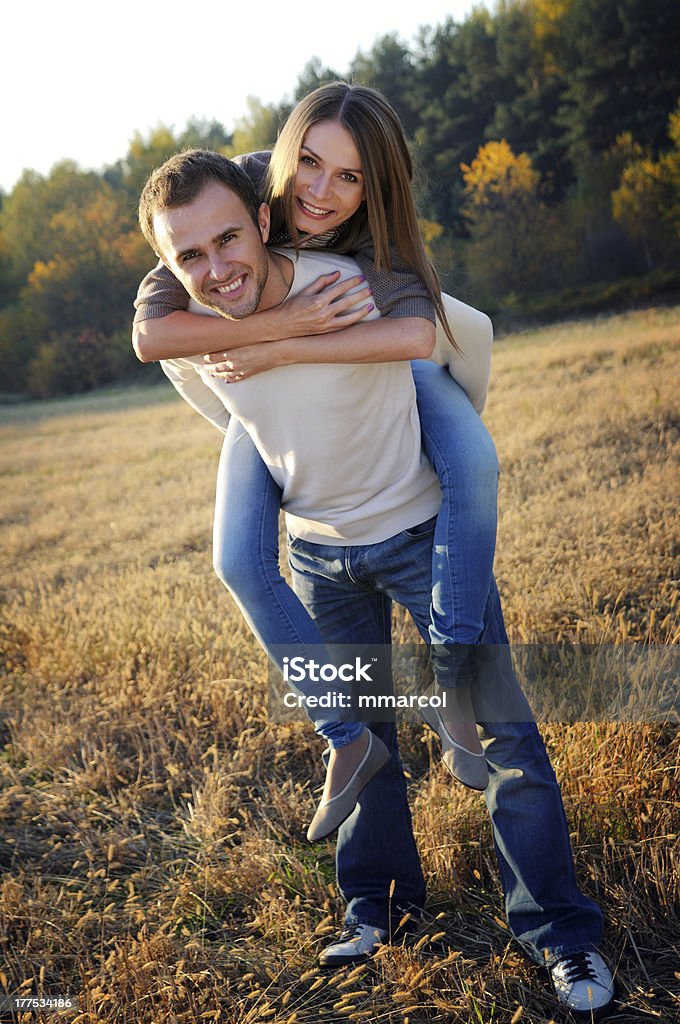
[329,184]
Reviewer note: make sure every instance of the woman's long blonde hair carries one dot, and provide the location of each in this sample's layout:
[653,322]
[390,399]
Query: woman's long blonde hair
[388,176]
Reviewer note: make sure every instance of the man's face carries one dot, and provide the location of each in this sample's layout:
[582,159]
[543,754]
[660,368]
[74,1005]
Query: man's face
[213,247]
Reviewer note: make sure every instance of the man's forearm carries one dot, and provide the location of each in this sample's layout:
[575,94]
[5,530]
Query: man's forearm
[182,334]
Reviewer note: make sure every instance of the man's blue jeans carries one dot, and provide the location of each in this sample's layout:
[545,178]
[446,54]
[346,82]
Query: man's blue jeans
[349,591]
[246,554]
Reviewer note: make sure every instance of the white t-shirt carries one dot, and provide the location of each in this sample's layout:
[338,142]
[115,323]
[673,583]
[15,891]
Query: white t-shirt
[341,440]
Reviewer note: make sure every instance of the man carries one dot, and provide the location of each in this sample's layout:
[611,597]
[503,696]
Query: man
[210,231]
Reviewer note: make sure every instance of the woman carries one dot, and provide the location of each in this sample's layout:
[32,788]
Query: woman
[340,177]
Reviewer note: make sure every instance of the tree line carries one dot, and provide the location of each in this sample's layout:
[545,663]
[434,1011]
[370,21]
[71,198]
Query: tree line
[546,135]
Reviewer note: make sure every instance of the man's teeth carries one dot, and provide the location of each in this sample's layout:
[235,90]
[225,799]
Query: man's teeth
[223,289]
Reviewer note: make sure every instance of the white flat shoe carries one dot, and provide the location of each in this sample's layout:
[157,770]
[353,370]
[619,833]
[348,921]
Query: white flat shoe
[467,767]
[331,814]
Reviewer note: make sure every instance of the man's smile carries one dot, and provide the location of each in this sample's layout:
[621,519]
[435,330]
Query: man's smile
[233,286]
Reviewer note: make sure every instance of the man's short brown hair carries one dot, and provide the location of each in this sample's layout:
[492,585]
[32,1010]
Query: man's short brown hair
[182,178]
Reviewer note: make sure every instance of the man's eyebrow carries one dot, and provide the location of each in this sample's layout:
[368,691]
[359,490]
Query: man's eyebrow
[353,170]
[229,230]
[186,252]
[220,234]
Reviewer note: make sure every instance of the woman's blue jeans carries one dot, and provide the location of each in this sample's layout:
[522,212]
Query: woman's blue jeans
[349,592]
[463,455]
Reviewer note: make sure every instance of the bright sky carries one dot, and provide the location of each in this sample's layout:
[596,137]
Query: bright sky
[81,77]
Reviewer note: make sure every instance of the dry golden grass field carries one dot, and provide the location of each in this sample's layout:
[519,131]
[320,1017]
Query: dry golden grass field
[152,852]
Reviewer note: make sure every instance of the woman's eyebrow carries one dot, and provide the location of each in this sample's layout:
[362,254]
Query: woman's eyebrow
[354,170]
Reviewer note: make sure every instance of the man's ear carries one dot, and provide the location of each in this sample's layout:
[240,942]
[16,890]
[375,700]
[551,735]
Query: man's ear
[263,221]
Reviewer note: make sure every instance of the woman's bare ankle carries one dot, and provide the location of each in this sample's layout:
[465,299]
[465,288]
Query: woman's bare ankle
[342,764]
[457,714]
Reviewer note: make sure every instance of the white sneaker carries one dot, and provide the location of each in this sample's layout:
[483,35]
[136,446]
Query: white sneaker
[358,942]
[584,984]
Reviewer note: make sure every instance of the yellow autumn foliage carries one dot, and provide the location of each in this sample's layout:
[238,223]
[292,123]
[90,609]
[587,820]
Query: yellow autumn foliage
[497,173]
